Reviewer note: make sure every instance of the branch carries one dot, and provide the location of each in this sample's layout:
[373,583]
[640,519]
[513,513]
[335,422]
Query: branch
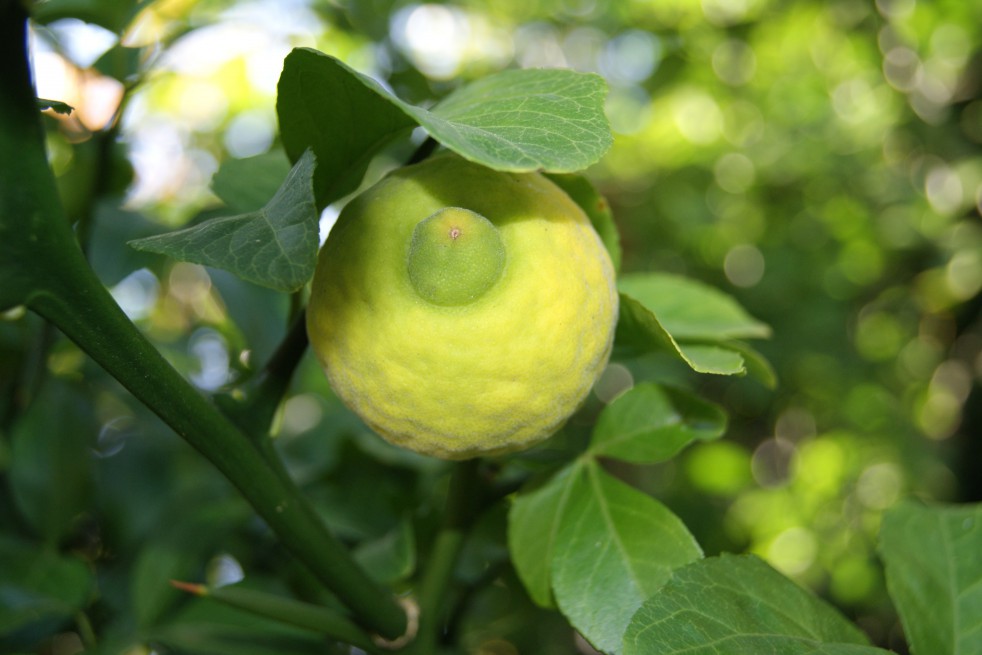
[42,267]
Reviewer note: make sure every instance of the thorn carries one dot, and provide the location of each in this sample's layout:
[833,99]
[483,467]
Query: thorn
[190,587]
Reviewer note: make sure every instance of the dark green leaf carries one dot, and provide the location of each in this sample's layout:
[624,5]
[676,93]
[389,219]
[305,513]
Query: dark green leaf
[639,328]
[289,612]
[50,472]
[112,229]
[651,423]
[392,557]
[36,583]
[56,106]
[114,15]
[245,185]
[524,120]
[516,120]
[533,522]
[344,116]
[274,247]
[738,605]
[250,638]
[596,208]
[616,546]
[120,62]
[933,558]
[690,310]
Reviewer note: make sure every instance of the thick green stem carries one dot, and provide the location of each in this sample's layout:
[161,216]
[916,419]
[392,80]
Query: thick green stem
[463,497]
[42,266]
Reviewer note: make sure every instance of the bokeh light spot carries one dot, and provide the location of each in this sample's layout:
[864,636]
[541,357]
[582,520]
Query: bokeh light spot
[223,570]
[698,117]
[771,463]
[630,57]
[734,172]
[744,265]
[720,468]
[301,413]
[734,62]
[793,550]
[210,350]
[879,485]
[137,293]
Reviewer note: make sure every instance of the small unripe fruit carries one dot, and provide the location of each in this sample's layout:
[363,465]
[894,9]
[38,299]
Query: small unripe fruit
[455,256]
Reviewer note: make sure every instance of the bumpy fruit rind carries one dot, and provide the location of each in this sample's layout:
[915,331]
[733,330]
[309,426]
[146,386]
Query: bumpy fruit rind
[494,374]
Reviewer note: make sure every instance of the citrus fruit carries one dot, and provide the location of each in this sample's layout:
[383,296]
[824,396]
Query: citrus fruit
[462,311]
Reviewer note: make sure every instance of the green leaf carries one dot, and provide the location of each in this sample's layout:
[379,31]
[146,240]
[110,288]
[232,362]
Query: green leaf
[36,583]
[244,185]
[114,15]
[706,358]
[56,106]
[596,208]
[616,546]
[738,605]
[328,622]
[651,423]
[343,116]
[690,310]
[524,120]
[638,327]
[274,247]
[516,120]
[933,558]
[533,523]
[252,636]
[392,557]
[51,450]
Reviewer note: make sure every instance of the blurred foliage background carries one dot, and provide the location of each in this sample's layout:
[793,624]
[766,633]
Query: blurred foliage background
[819,160]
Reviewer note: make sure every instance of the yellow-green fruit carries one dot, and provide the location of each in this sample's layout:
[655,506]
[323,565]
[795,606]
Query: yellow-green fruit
[462,311]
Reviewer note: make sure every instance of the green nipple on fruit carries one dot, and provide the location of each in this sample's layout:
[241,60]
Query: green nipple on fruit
[455,257]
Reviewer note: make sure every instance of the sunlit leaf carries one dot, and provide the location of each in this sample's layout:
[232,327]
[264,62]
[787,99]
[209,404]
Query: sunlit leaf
[616,546]
[690,310]
[524,120]
[533,523]
[515,120]
[738,605]
[275,246]
[596,208]
[933,558]
[639,328]
[711,358]
[651,423]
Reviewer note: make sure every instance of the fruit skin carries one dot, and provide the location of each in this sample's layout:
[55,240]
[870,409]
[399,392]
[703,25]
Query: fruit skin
[494,375]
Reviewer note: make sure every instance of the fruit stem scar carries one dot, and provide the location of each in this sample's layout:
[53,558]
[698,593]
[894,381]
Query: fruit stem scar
[454,233]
